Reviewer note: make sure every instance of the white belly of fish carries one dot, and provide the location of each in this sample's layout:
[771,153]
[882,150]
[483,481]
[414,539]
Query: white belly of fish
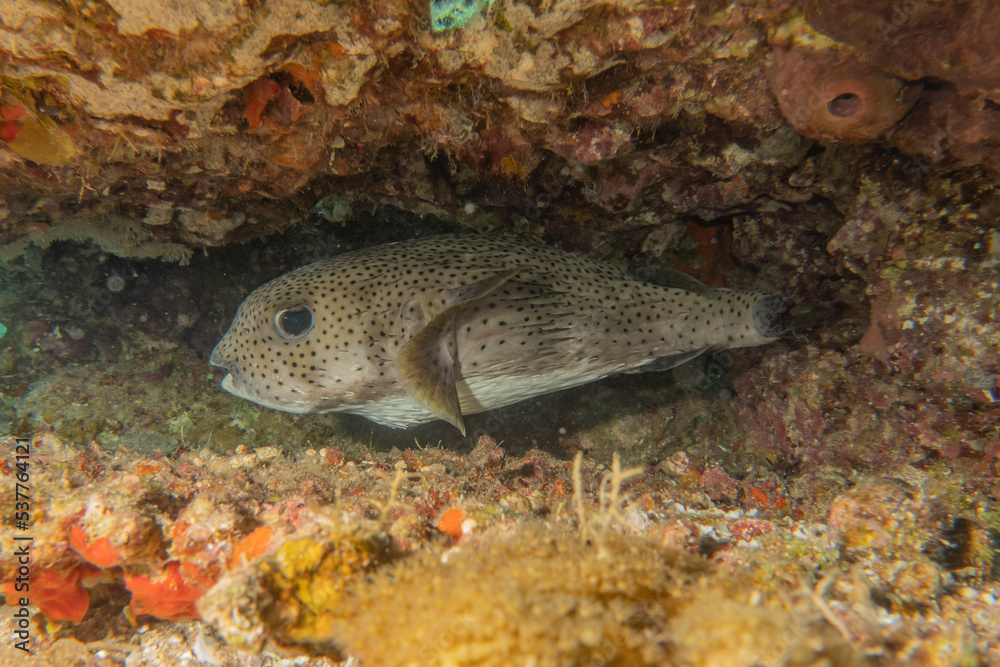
[476,394]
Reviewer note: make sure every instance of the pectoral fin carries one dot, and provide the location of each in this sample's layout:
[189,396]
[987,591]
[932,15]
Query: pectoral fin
[428,362]
[427,369]
[670,361]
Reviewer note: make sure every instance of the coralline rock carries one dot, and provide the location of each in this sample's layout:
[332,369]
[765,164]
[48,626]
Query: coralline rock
[135,18]
[951,44]
[594,143]
[293,595]
[933,315]
[907,39]
[890,526]
[949,128]
[487,455]
[184,142]
[325,571]
[886,516]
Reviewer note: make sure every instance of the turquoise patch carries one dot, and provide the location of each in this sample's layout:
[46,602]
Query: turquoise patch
[3,330]
[450,14]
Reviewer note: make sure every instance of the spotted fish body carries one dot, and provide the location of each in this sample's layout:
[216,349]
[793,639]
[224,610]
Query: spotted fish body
[448,326]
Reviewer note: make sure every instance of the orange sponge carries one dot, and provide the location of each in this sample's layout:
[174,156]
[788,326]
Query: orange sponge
[58,594]
[450,523]
[166,596]
[100,552]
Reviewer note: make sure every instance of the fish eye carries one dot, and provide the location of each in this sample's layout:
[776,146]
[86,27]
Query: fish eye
[293,322]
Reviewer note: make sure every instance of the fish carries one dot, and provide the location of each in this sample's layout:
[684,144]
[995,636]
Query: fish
[448,326]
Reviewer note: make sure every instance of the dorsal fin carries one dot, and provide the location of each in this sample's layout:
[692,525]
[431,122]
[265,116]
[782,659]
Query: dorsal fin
[675,279]
[427,363]
[477,290]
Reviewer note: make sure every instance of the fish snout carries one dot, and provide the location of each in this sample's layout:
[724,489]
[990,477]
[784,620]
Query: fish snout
[219,357]
[222,360]
[768,315]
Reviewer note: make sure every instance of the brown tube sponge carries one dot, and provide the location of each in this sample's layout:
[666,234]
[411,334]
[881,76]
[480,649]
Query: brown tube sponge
[833,96]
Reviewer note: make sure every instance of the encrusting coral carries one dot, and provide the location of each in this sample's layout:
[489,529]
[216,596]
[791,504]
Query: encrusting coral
[272,102]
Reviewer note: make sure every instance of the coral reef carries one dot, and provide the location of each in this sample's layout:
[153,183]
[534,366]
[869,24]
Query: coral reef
[223,122]
[319,553]
[833,498]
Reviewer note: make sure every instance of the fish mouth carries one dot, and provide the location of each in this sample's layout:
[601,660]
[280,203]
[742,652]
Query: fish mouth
[768,315]
[227,384]
[218,360]
[242,391]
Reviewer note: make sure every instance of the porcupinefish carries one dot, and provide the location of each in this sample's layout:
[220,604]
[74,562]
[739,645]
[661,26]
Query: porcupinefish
[448,326]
